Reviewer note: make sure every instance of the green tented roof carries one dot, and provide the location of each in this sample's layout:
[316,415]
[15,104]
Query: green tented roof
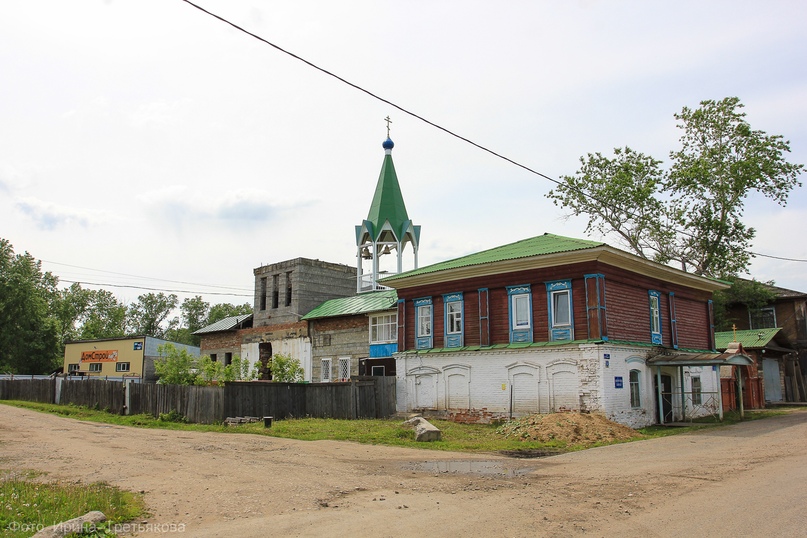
[388,203]
[363,303]
[526,248]
[750,339]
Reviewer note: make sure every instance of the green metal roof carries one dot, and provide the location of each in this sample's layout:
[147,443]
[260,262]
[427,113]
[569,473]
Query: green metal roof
[526,248]
[750,339]
[363,303]
[388,203]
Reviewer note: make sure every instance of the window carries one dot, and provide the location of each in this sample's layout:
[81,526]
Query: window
[655,316]
[697,398]
[559,297]
[325,374]
[275,291]
[344,368]
[378,371]
[288,289]
[453,319]
[73,368]
[122,367]
[764,318]
[213,357]
[263,293]
[520,313]
[635,391]
[423,324]
[384,328]
[95,367]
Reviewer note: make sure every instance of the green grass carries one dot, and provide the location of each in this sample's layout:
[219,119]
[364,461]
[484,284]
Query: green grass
[28,503]
[456,437]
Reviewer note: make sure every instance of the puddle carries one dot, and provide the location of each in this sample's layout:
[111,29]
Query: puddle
[488,468]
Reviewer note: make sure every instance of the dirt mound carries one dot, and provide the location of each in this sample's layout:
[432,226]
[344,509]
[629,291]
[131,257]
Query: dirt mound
[567,428]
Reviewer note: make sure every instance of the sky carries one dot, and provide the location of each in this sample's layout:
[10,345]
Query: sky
[146,146]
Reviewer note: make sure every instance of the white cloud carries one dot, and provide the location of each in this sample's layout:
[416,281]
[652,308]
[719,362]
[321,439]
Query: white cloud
[50,216]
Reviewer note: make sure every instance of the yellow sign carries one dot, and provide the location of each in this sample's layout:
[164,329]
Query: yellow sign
[99,355]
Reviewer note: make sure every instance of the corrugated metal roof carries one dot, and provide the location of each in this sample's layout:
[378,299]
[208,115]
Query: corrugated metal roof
[526,248]
[226,324]
[362,303]
[750,339]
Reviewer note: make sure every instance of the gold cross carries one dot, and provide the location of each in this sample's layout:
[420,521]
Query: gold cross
[388,122]
[734,328]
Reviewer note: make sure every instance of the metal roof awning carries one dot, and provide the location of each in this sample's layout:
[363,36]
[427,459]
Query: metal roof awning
[733,356]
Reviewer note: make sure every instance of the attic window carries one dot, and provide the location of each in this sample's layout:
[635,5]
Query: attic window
[764,318]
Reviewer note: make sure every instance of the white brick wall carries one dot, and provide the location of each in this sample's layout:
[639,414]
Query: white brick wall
[594,378]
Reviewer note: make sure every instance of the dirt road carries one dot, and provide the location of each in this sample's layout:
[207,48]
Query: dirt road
[744,480]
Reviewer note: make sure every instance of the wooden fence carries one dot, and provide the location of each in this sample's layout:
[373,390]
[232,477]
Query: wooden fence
[364,397]
[202,405]
[31,390]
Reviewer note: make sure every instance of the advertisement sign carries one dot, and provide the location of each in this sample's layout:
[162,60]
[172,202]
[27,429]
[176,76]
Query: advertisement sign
[100,355]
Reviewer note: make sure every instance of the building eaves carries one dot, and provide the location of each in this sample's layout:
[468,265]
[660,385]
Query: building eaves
[543,251]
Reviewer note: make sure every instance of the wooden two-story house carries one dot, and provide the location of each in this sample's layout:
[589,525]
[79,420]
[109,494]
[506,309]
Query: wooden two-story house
[554,323]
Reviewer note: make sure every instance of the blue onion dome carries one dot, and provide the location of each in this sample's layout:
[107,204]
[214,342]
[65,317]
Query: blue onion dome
[388,144]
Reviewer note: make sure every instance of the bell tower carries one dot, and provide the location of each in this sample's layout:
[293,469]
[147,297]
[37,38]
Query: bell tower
[386,230]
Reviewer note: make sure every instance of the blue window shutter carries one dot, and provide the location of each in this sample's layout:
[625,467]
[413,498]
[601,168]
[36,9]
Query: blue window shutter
[561,310]
[424,323]
[484,317]
[673,322]
[519,308]
[454,324]
[655,316]
[595,307]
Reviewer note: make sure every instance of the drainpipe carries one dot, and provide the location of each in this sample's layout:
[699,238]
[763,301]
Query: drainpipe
[683,395]
[660,396]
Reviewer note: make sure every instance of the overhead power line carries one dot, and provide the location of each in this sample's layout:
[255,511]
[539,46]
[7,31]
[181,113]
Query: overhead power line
[155,289]
[148,277]
[431,123]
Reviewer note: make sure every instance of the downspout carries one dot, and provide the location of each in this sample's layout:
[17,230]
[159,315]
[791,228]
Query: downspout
[740,384]
[660,396]
[683,395]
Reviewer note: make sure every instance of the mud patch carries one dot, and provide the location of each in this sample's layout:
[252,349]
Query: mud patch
[483,468]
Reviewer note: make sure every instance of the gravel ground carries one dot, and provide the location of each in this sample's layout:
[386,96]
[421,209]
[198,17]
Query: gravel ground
[744,480]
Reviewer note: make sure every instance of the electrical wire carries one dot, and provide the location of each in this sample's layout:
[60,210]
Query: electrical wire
[435,125]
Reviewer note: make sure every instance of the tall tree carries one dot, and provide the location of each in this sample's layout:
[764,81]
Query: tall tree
[105,317]
[225,310]
[29,336]
[194,312]
[690,215]
[149,315]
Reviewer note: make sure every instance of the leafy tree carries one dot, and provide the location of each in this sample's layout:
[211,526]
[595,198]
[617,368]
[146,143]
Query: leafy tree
[690,215]
[175,366]
[751,293]
[286,369]
[178,367]
[29,336]
[194,312]
[225,310]
[105,317]
[89,314]
[69,308]
[148,315]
